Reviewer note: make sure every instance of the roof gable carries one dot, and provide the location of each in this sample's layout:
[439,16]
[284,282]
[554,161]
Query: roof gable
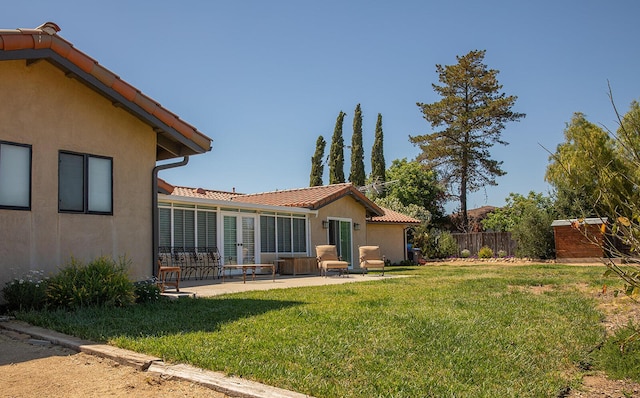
[312,198]
[176,138]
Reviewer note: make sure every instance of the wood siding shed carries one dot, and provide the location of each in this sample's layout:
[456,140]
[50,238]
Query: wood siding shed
[579,238]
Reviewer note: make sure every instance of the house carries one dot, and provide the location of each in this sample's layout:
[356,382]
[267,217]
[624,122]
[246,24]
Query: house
[78,153]
[269,226]
[579,239]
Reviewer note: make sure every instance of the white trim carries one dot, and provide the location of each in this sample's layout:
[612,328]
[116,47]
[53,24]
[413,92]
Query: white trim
[587,221]
[238,205]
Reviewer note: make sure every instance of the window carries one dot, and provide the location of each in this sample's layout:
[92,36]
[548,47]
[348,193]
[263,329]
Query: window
[185,227]
[15,176]
[85,183]
[287,234]
[267,234]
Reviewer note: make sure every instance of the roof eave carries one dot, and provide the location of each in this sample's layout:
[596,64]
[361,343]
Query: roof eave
[171,142]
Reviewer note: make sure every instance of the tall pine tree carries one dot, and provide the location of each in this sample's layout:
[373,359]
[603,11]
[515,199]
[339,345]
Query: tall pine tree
[378,167]
[356,176]
[336,153]
[471,116]
[317,167]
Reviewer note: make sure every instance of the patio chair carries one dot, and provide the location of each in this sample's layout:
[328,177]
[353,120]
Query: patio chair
[327,256]
[370,258]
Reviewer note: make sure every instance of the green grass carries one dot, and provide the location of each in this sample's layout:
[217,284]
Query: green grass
[463,331]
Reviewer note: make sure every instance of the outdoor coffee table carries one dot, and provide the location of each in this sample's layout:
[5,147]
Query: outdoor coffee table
[252,267]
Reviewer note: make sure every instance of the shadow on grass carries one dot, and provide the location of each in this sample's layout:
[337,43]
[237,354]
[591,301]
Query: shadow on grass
[166,317]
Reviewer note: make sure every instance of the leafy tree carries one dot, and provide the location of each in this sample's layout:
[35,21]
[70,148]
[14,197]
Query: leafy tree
[317,167]
[412,183]
[529,221]
[336,153]
[357,176]
[473,114]
[574,170]
[378,166]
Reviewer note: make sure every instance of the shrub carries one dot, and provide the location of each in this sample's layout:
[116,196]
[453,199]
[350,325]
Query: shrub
[502,253]
[26,293]
[146,291]
[465,253]
[485,252]
[447,245]
[100,282]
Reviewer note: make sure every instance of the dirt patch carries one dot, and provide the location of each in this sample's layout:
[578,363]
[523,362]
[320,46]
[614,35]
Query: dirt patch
[32,368]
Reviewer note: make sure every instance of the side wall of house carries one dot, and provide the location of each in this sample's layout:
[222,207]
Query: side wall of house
[390,238]
[345,208]
[51,112]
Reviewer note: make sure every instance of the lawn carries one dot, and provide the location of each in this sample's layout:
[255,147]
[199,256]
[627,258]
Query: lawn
[463,331]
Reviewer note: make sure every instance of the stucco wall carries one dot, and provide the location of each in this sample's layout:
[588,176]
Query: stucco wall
[345,208]
[390,238]
[44,108]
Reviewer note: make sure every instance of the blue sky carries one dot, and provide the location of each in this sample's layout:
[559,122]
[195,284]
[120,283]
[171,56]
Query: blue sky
[264,79]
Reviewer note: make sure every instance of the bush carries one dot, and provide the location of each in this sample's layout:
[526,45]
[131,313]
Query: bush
[465,253]
[502,253]
[447,245]
[26,293]
[485,252]
[100,282]
[146,291]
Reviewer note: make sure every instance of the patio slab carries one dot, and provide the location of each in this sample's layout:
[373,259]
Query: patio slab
[215,287]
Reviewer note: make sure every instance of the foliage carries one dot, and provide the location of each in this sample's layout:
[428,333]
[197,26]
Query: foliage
[502,254]
[357,176]
[100,282]
[437,243]
[146,291]
[606,173]
[26,293]
[529,221]
[414,184]
[473,113]
[504,219]
[375,335]
[574,170]
[485,252]
[411,210]
[465,253]
[378,166]
[317,165]
[336,152]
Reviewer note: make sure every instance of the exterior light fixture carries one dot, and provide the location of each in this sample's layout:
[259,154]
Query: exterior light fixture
[325,224]
[356,226]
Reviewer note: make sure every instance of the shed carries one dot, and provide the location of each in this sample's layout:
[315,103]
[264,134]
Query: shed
[579,238]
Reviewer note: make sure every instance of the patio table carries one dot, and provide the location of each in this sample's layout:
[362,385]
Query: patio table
[252,267]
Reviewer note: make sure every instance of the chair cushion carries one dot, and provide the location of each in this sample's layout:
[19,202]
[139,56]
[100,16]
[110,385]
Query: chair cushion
[329,264]
[326,252]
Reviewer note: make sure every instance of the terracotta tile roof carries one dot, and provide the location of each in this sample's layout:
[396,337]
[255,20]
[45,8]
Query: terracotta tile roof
[175,137]
[202,193]
[394,217]
[311,197]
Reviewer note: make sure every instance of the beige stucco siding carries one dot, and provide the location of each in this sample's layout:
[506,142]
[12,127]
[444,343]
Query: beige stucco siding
[44,108]
[345,208]
[390,238]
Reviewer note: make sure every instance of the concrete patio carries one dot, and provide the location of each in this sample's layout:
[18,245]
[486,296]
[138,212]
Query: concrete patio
[214,287]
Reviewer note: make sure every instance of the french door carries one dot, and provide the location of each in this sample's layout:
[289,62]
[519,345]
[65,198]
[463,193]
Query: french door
[340,236]
[239,238]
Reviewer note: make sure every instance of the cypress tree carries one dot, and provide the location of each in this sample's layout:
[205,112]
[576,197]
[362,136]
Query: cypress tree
[317,167]
[356,176]
[336,153]
[378,167]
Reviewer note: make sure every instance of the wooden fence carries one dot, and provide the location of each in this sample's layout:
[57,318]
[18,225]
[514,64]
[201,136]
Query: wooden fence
[495,240]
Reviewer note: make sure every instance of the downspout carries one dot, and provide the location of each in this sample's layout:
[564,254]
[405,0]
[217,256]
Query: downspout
[154,206]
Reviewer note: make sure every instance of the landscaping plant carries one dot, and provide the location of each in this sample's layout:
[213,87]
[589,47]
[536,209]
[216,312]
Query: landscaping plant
[102,281]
